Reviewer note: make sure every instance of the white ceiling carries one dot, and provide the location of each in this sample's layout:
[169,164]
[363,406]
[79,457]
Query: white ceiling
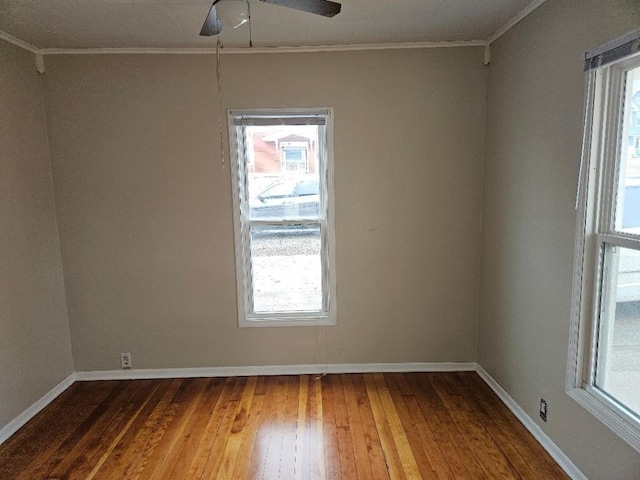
[83,24]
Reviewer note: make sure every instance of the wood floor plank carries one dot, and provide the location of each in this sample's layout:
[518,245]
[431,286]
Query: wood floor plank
[65,423]
[20,444]
[398,389]
[372,440]
[301,444]
[266,432]
[289,428]
[385,432]
[178,412]
[219,445]
[132,443]
[237,432]
[332,457]
[132,418]
[247,446]
[431,446]
[490,457]
[461,460]
[316,418]
[217,406]
[529,449]
[180,451]
[99,394]
[198,424]
[345,442]
[273,439]
[153,429]
[361,453]
[103,433]
[502,441]
[348,426]
[409,464]
[309,440]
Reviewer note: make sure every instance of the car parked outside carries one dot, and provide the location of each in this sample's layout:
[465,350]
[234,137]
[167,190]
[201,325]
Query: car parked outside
[299,198]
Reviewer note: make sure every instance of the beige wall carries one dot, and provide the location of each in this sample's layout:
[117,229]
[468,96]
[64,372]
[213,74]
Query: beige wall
[145,216]
[35,350]
[534,115]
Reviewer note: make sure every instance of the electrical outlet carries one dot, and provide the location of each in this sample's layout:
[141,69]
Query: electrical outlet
[125,359]
[543,409]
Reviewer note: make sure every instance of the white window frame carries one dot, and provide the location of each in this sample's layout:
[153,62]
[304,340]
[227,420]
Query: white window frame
[247,317]
[597,193]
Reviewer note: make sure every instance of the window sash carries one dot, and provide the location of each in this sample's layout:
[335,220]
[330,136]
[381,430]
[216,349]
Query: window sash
[604,290]
[250,312]
[303,315]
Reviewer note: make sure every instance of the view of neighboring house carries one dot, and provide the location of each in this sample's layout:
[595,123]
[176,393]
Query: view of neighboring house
[290,150]
[278,153]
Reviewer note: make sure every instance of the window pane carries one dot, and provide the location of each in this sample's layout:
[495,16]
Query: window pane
[282,180]
[628,205]
[618,356]
[287,271]
[293,154]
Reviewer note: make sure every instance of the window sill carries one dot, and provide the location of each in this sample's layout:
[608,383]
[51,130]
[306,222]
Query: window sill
[298,321]
[608,412]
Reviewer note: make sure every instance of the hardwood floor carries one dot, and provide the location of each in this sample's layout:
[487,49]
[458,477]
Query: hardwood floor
[369,426]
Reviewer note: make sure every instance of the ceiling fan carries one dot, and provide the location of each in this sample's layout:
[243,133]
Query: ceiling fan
[213,25]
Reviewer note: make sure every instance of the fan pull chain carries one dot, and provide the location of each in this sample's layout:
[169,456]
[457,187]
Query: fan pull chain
[219,85]
[249,16]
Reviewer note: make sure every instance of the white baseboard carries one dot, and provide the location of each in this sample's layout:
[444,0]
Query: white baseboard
[558,455]
[244,371]
[14,425]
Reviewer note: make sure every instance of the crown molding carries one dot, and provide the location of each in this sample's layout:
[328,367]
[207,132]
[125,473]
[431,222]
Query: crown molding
[19,43]
[349,48]
[514,21]
[254,50]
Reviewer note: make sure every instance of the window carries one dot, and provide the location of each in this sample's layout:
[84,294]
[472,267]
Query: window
[604,363]
[285,262]
[294,157]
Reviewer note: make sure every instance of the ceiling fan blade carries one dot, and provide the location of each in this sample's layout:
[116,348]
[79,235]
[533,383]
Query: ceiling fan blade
[319,7]
[212,25]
